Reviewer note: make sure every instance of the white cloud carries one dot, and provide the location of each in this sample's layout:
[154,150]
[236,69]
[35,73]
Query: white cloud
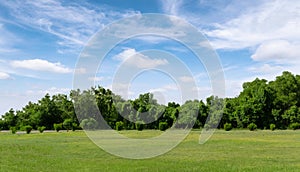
[133,58]
[96,79]
[80,70]
[165,88]
[187,79]
[203,90]
[4,75]
[41,65]
[152,39]
[229,27]
[51,91]
[167,93]
[121,89]
[269,29]
[71,22]
[267,71]
[17,100]
[268,21]
[125,54]
[279,51]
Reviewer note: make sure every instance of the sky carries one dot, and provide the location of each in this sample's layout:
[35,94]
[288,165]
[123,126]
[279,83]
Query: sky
[41,43]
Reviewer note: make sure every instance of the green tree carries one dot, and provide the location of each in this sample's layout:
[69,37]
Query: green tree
[10,118]
[68,124]
[286,94]
[254,104]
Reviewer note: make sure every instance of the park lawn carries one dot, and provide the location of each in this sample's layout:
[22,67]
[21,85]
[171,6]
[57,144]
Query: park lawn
[237,150]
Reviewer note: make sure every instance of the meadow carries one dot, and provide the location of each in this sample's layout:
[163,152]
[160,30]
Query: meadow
[237,150]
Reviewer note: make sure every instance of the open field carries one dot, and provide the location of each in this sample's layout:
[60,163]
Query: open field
[239,150]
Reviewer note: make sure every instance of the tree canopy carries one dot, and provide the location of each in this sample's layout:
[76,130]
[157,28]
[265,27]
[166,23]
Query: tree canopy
[263,103]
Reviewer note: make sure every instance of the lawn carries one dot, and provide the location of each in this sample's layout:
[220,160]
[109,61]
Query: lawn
[238,150]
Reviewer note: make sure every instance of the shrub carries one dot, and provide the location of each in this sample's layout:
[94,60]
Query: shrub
[252,126]
[119,125]
[57,127]
[41,129]
[163,126]
[22,127]
[28,129]
[74,126]
[227,127]
[68,124]
[139,125]
[13,130]
[89,124]
[295,126]
[272,127]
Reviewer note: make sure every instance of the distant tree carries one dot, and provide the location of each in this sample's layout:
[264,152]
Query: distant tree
[188,114]
[67,124]
[10,118]
[286,95]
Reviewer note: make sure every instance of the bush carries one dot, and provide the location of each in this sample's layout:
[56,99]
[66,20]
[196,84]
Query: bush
[41,129]
[74,126]
[68,124]
[227,127]
[252,126]
[57,127]
[13,130]
[119,125]
[295,126]
[272,127]
[89,124]
[162,126]
[28,129]
[139,125]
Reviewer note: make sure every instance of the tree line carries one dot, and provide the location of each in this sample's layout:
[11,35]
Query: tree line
[261,104]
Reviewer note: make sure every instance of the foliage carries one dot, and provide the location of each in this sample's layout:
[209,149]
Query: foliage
[139,125]
[163,126]
[119,125]
[260,102]
[28,129]
[13,130]
[272,127]
[41,129]
[75,126]
[295,126]
[227,127]
[252,126]
[89,124]
[68,124]
[58,127]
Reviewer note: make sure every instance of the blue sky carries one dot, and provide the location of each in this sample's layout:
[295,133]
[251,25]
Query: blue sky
[40,42]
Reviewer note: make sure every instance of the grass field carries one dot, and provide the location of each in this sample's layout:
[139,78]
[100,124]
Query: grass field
[239,150]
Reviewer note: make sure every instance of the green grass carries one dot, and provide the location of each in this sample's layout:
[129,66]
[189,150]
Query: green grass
[225,151]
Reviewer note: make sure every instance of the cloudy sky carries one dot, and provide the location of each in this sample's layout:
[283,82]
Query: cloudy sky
[41,41]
